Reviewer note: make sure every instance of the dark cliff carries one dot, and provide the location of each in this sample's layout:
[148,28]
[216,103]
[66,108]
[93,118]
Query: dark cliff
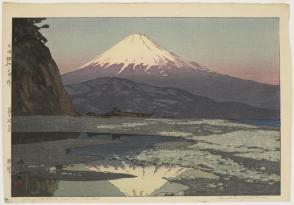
[36,84]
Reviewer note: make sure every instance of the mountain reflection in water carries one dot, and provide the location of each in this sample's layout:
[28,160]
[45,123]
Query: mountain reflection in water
[220,158]
[149,181]
[90,164]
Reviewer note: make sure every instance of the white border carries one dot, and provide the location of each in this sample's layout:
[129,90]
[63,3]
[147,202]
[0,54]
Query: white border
[200,1]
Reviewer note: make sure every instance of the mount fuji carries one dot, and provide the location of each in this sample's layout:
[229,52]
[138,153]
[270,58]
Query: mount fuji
[142,60]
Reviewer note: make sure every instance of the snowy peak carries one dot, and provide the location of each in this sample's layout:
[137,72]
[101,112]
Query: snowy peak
[139,52]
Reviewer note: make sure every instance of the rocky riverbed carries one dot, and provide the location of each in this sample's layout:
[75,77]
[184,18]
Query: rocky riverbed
[183,157]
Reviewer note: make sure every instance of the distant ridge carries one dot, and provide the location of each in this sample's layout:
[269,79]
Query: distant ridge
[101,95]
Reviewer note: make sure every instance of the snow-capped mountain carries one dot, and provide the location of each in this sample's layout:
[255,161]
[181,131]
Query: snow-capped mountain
[138,53]
[141,60]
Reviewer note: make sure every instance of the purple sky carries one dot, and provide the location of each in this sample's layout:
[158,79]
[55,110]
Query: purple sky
[247,48]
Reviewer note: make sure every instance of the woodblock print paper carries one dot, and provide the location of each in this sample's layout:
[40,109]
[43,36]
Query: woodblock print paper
[281,84]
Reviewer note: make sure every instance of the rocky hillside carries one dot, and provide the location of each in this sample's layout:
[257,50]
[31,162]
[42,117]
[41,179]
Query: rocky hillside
[101,95]
[36,85]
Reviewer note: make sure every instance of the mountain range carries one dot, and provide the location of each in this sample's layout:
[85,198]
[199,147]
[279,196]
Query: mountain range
[142,60]
[101,95]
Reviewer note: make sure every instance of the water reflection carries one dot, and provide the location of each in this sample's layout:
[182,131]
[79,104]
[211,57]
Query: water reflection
[147,181]
[90,164]
[150,180]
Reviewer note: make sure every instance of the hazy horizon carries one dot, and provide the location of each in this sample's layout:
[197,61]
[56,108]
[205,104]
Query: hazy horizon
[246,48]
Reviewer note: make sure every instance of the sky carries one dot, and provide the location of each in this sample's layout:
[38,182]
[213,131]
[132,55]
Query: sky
[247,48]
